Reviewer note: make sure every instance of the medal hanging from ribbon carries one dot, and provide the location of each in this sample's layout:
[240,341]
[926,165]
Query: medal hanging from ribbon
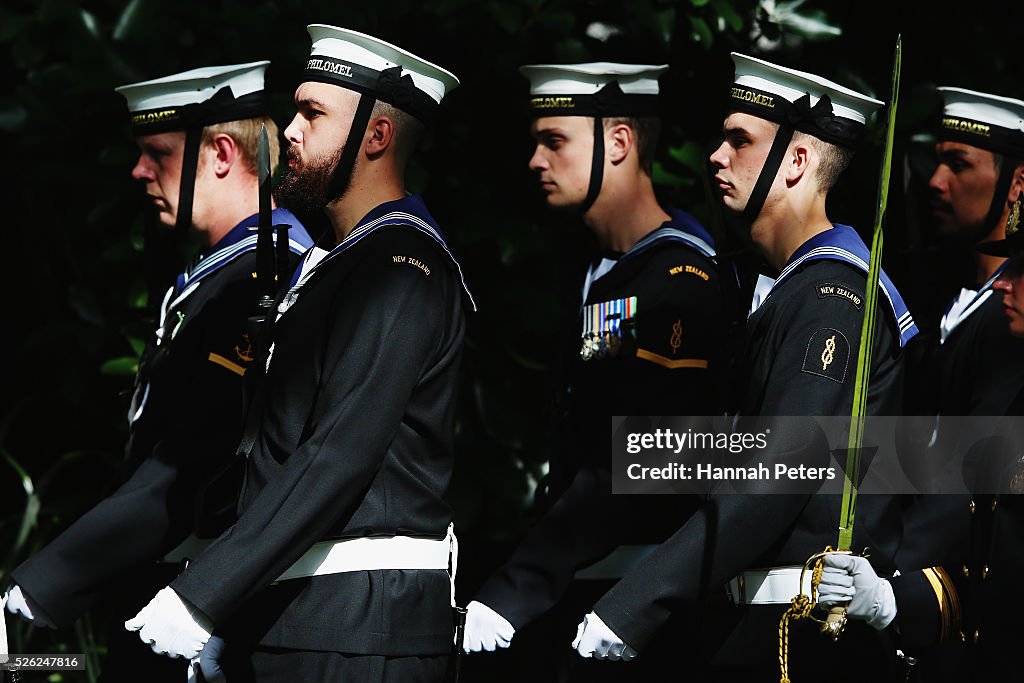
[605,325]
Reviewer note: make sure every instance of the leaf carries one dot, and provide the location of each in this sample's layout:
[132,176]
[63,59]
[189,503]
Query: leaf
[128,19]
[661,176]
[813,25]
[138,346]
[137,234]
[86,635]
[690,154]
[600,31]
[701,31]
[666,21]
[699,3]
[23,476]
[30,515]
[140,300]
[728,14]
[123,366]
[90,23]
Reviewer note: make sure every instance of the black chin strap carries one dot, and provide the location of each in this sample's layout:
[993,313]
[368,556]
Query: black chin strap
[391,87]
[768,172]
[187,188]
[995,210]
[342,175]
[596,166]
[819,120]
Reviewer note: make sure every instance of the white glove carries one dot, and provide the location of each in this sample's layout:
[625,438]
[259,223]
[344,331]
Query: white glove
[485,629]
[210,659]
[171,627]
[595,639]
[850,579]
[26,608]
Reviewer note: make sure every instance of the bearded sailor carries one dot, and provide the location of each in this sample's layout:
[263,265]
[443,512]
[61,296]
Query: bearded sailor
[341,563]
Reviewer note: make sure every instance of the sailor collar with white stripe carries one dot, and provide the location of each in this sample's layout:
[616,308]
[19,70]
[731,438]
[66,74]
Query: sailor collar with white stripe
[956,314]
[240,240]
[842,243]
[410,211]
[680,228]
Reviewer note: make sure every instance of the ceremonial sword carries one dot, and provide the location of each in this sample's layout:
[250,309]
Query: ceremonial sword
[837,615]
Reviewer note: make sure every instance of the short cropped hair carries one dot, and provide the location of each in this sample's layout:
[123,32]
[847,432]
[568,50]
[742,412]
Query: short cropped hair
[246,134]
[833,159]
[408,129]
[646,131]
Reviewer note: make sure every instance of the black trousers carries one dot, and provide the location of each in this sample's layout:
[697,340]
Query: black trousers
[273,665]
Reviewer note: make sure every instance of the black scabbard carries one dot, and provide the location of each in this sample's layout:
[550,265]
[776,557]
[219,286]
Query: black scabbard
[455,660]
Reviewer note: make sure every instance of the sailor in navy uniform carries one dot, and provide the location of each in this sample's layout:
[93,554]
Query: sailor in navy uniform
[652,328]
[979,366]
[341,563]
[976,368]
[787,137]
[960,617]
[185,414]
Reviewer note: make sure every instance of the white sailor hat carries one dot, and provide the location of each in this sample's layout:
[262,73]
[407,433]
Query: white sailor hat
[371,66]
[982,120]
[211,94]
[809,103]
[593,89]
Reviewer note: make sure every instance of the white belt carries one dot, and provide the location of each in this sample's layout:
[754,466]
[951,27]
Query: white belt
[771,586]
[367,554]
[617,563]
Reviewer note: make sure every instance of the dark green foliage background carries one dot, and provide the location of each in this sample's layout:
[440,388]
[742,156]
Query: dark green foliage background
[75,279]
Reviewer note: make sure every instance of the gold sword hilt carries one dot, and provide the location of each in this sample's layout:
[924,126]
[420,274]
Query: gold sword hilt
[835,622]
